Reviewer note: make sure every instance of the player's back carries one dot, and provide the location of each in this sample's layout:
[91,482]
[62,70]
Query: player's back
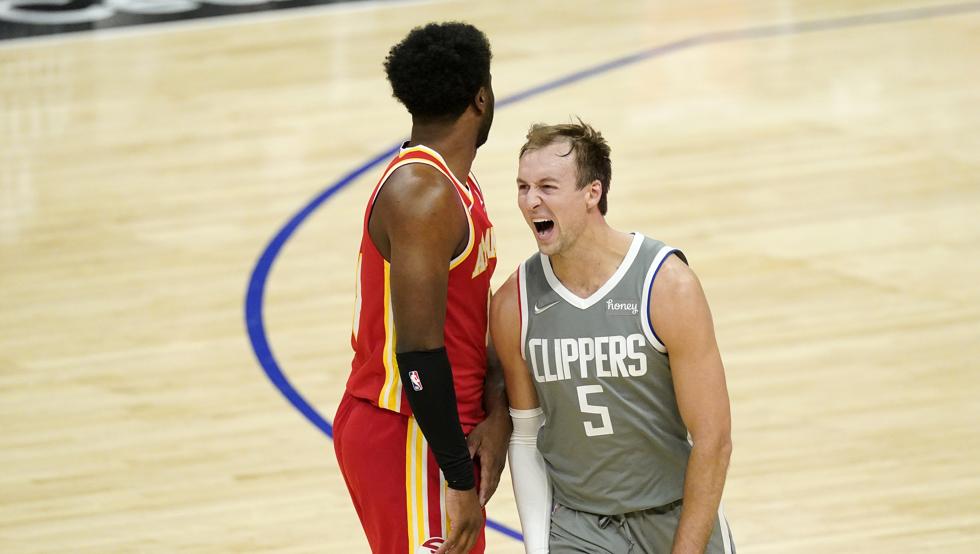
[613,441]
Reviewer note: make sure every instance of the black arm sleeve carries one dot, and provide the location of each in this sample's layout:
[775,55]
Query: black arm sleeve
[428,382]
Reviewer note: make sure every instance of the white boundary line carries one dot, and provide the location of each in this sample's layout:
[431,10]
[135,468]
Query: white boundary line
[206,22]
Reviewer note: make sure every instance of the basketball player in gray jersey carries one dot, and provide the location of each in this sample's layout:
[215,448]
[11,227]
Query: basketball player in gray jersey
[617,448]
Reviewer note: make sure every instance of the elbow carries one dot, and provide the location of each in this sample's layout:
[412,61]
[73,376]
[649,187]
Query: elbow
[725,449]
[718,447]
[721,448]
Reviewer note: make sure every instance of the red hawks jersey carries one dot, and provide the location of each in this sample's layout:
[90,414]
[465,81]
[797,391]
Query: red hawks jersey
[374,369]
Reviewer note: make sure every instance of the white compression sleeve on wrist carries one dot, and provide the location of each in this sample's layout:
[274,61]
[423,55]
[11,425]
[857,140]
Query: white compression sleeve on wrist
[532,490]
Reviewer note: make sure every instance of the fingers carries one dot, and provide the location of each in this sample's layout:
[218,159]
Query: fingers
[473,443]
[491,466]
[466,521]
[489,479]
[461,540]
[444,547]
[483,485]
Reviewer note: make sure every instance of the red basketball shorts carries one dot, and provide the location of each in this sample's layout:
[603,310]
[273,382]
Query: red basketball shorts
[393,478]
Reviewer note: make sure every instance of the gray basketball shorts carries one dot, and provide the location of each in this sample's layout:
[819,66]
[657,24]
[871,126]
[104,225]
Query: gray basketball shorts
[647,532]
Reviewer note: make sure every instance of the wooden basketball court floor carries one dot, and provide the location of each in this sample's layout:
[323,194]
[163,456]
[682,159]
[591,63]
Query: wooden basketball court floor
[819,162]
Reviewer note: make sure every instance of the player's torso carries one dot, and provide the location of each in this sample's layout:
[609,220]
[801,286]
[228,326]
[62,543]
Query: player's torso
[613,441]
[374,372]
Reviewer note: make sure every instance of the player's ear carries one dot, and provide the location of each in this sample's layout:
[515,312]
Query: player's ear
[593,194]
[482,99]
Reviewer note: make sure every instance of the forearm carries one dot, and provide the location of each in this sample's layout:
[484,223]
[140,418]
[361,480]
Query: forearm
[532,490]
[428,384]
[703,485]
[494,388]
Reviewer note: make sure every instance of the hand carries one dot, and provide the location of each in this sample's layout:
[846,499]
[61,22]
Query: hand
[488,443]
[465,521]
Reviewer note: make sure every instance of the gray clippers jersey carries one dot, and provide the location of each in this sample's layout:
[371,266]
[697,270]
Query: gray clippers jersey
[613,439]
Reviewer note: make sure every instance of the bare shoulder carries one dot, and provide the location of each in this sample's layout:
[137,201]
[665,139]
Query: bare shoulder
[507,294]
[505,329]
[418,208]
[418,190]
[504,309]
[676,280]
[678,309]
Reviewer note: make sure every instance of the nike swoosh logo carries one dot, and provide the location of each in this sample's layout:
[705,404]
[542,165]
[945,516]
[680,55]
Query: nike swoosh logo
[539,309]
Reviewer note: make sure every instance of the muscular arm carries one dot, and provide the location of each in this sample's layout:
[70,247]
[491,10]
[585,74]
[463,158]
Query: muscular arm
[682,319]
[417,224]
[532,491]
[505,328]
[495,389]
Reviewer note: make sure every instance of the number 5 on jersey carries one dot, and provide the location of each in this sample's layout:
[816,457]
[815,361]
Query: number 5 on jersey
[603,412]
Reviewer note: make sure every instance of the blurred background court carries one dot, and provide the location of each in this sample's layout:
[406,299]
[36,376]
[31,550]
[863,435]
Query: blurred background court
[819,163]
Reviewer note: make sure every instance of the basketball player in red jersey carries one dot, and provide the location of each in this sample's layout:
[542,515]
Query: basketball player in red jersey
[420,397]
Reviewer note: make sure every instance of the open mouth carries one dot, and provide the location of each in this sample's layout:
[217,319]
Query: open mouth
[543,227]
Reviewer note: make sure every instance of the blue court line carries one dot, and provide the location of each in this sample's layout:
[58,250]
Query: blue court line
[255,295]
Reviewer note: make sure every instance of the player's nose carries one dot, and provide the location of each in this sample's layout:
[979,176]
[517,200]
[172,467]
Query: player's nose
[532,199]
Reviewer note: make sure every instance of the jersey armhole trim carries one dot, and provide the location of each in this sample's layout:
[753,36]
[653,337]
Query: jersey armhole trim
[728,543]
[391,169]
[471,230]
[522,305]
[476,189]
[655,265]
[470,241]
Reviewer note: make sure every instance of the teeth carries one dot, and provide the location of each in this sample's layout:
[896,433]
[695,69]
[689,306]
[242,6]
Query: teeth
[543,225]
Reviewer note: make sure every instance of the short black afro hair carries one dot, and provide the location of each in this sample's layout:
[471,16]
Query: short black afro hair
[437,69]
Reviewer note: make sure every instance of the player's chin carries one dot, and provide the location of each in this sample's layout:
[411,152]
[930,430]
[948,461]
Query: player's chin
[546,247]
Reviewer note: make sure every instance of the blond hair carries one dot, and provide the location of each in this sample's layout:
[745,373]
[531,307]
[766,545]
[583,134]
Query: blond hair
[591,152]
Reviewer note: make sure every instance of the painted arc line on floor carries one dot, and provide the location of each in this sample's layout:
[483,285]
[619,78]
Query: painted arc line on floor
[255,294]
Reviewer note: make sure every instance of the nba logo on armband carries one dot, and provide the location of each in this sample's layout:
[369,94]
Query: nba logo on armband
[430,545]
[413,376]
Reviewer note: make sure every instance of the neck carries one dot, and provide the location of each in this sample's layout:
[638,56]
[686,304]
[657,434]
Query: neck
[591,261]
[455,143]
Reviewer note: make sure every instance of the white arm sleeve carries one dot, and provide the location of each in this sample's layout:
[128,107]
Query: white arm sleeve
[531,487]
